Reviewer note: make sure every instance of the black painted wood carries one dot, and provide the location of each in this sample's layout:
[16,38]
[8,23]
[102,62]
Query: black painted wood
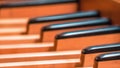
[79,24]
[101,48]
[34,2]
[77,15]
[108,56]
[90,32]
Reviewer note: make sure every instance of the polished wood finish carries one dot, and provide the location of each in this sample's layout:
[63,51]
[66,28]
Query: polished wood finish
[38,10]
[108,8]
[83,42]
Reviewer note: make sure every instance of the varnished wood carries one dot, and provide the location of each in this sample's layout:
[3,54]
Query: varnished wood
[108,8]
[11,10]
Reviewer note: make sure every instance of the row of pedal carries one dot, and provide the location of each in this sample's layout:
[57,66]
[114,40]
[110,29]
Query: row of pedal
[72,40]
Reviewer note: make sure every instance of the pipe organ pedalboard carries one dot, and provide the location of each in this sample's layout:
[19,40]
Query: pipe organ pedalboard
[59,34]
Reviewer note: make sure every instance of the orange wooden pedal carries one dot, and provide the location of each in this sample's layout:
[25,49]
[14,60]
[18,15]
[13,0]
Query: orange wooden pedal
[111,60]
[34,56]
[83,38]
[34,25]
[37,8]
[108,10]
[11,1]
[88,54]
[64,63]
[31,43]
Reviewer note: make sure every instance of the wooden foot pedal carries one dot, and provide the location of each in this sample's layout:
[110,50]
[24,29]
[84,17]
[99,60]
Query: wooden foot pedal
[49,32]
[11,1]
[40,59]
[89,53]
[28,42]
[34,25]
[84,38]
[64,63]
[106,11]
[25,48]
[40,7]
[34,56]
[15,39]
[111,60]
[12,31]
